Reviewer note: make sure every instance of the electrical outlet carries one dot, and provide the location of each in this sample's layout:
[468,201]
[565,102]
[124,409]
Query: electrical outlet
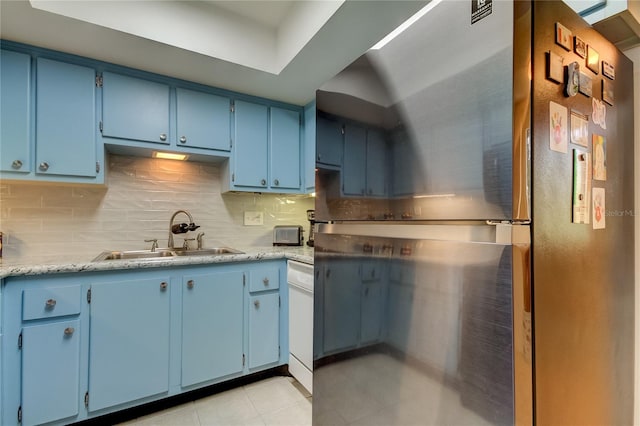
[253,218]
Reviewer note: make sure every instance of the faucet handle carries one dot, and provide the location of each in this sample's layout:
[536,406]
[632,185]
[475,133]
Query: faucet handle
[192,227]
[199,238]
[154,243]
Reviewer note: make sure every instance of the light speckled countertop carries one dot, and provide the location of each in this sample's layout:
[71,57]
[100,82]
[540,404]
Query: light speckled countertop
[301,254]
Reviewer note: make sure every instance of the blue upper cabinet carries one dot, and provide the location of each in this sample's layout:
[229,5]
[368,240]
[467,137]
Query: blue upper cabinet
[15,95]
[203,120]
[266,149]
[135,109]
[329,134]
[65,120]
[284,155]
[250,145]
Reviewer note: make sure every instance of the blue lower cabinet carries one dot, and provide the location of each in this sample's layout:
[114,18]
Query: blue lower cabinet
[129,343]
[50,372]
[264,329]
[212,326]
[341,307]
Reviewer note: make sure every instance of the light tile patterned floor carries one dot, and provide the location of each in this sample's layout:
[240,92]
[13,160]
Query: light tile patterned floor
[277,401]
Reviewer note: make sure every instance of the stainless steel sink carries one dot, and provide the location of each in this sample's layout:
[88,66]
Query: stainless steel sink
[134,254]
[207,251]
[162,254]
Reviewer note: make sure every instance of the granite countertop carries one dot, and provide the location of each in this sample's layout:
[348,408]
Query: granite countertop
[302,254]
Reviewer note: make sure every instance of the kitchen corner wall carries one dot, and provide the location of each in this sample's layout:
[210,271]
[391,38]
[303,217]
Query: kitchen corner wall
[48,223]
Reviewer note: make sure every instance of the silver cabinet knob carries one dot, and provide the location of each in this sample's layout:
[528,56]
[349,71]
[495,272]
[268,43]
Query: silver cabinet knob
[44,166]
[276,182]
[190,284]
[183,139]
[163,136]
[69,331]
[263,182]
[17,164]
[265,281]
[50,304]
[256,303]
[163,286]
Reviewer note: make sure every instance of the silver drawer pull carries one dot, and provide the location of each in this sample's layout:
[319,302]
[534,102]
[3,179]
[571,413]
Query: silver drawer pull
[50,304]
[190,284]
[69,331]
[256,304]
[265,281]
[163,286]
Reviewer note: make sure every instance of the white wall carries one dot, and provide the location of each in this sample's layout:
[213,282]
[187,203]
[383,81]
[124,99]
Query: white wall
[45,222]
[634,54]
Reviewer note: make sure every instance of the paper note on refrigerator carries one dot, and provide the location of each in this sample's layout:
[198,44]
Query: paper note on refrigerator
[581,186]
[598,208]
[558,127]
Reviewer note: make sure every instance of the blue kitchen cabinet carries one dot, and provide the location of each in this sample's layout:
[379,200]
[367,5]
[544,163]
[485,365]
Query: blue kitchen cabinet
[65,119]
[264,315]
[329,141]
[129,347]
[341,307]
[264,329]
[212,326]
[50,372]
[284,148]
[203,120]
[250,145]
[15,105]
[354,165]
[310,146]
[135,109]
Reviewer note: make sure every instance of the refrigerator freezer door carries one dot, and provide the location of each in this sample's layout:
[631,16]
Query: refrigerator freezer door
[442,105]
[412,327]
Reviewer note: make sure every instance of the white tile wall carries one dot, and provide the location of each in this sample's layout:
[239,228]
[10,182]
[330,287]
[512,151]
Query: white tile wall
[46,222]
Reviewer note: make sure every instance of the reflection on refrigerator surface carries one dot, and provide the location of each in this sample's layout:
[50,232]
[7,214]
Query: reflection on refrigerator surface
[400,318]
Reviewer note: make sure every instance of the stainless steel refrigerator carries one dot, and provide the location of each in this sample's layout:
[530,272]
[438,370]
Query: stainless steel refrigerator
[474,206]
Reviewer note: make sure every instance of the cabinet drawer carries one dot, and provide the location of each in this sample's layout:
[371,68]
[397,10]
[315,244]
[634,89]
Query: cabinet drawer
[50,302]
[263,279]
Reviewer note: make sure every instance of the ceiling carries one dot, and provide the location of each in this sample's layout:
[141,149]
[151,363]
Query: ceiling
[282,50]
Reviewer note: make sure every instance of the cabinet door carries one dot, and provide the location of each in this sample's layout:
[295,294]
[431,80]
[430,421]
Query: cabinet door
[129,341]
[377,159]
[264,329]
[65,119]
[15,95]
[135,109]
[204,120]
[354,162]
[329,136]
[250,145]
[212,326]
[341,307]
[284,165]
[50,372]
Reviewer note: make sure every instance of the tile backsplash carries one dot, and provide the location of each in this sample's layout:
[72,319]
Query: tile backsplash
[47,223]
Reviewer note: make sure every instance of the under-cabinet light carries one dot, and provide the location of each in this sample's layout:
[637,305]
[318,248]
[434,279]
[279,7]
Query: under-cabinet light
[170,155]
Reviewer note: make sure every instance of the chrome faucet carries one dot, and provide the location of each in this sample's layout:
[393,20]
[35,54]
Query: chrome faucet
[181,228]
[199,239]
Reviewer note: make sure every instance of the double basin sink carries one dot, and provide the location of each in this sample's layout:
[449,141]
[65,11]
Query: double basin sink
[163,253]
